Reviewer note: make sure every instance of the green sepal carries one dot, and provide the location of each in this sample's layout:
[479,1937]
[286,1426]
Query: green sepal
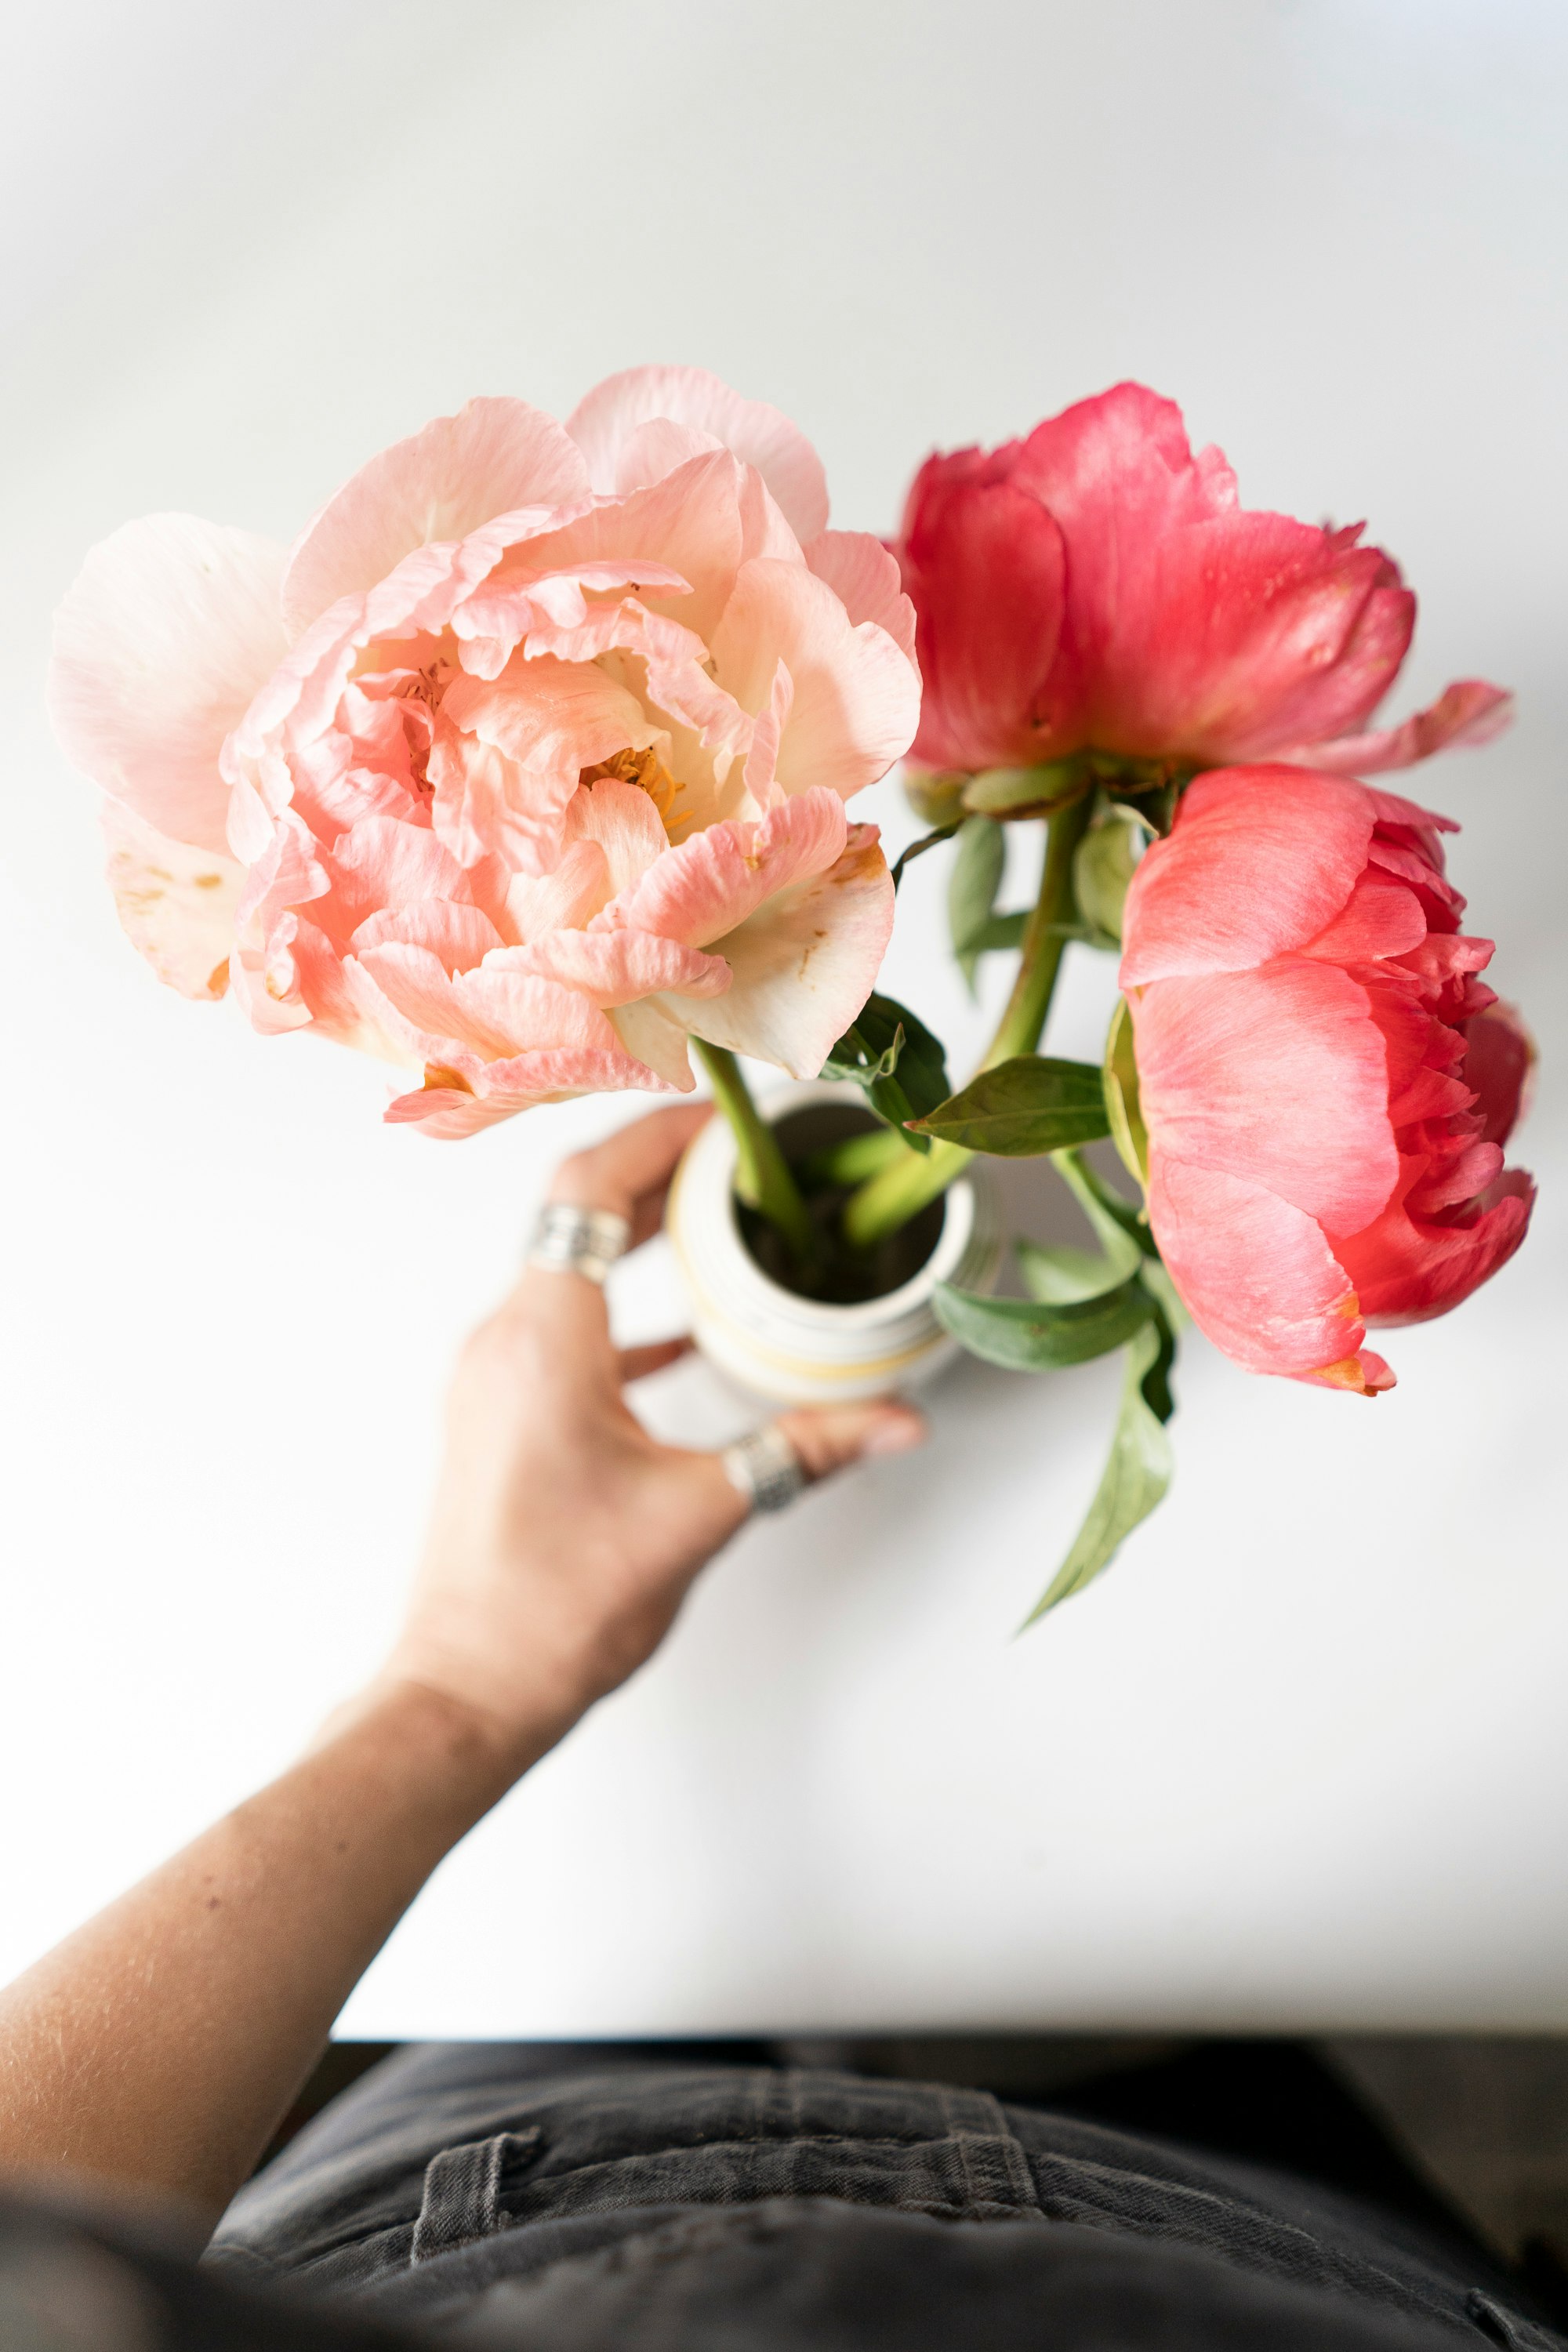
[1026,1337]
[1105,863]
[896,1061]
[1125,1119]
[1138,1469]
[972,888]
[1030,1105]
[1015,793]
[936,795]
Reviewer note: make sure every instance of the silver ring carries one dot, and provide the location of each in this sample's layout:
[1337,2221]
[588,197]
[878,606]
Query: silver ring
[570,1239]
[766,1468]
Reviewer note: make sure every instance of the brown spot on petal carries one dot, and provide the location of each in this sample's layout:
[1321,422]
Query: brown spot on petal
[208,881]
[438,1076]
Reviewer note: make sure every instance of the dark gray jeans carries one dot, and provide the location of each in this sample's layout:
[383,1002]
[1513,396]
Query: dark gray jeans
[561,2185]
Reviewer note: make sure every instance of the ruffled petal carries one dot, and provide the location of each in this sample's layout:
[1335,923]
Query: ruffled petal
[167,632]
[702,890]
[855,697]
[508,752]
[1409,1268]
[493,458]
[176,905]
[613,413]
[1465,715]
[1499,1069]
[865,579]
[803,965]
[614,967]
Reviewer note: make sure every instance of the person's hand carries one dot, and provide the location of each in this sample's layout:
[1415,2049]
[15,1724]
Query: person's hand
[563,1537]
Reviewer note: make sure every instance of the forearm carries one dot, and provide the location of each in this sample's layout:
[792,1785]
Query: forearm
[159,2044]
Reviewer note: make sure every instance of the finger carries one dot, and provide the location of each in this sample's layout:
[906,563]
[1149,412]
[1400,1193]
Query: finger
[630,1171]
[636,1363]
[829,1437]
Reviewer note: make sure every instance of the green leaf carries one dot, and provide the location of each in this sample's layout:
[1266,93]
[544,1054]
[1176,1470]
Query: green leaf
[918,848]
[1107,856]
[1025,792]
[1058,1276]
[972,888]
[1024,1336]
[1022,1108]
[896,1060]
[1138,1469]
[1126,1123]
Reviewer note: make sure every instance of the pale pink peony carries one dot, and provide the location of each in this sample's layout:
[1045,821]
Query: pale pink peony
[1326,1084]
[1097,586]
[526,763]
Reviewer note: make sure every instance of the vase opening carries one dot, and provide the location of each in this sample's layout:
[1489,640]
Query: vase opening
[842,1276]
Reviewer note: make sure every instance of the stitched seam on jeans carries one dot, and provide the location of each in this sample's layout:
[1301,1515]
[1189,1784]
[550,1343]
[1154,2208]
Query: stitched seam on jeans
[1355,2266]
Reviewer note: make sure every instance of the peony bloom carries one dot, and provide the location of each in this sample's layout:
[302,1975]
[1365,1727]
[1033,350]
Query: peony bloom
[526,763]
[1325,1084]
[1098,587]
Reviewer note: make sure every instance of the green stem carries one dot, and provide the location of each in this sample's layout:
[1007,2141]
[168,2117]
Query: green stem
[762,1176]
[889,1199]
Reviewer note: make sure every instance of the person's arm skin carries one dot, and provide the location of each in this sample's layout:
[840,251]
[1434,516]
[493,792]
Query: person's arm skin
[158,2046]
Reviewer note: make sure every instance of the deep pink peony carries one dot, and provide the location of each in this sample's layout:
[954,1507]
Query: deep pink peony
[1097,586]
[526,763]
[1325,1083]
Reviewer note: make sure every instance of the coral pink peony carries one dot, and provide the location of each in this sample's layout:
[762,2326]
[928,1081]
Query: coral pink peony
[1325,1084]
[1097,586]
[526,763]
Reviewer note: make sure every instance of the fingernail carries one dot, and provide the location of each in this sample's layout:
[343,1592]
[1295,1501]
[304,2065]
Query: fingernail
[901,1436]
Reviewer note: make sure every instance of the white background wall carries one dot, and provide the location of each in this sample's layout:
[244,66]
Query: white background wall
[1301,1756]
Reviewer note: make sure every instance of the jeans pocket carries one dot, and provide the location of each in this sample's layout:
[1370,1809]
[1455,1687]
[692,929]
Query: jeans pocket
[462,2192]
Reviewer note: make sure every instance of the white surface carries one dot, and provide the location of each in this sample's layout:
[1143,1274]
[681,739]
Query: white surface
[1300,1757]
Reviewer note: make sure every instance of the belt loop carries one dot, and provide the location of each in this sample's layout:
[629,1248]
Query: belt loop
[462,2193]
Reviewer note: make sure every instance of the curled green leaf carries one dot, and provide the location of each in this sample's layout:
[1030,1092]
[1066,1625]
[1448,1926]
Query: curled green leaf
[1024,1336]
[1125,1119]
[1138,1469]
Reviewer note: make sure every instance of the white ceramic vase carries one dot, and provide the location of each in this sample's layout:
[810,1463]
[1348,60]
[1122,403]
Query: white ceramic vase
[795,1351]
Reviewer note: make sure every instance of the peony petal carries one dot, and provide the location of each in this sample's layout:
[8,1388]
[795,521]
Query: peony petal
[1465,715]
[1254,1271]
[1278,1075]
[857,696]
[606,421]
[985,565]
[508,752]
[707,887]
[1499,1069]
[865,579]
[803,965]
[1196,626]
[459,937]
[614,967]
[623,823]
[1409,1269]
[656,1039]
[176,905]
[168,630]
[494,457]
[1260,861]
[1379,919]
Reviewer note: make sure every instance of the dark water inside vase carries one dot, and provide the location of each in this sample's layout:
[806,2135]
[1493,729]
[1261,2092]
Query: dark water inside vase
[842,1276]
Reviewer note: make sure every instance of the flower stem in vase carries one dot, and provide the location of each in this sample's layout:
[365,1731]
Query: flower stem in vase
[763,1178]
[898,1192]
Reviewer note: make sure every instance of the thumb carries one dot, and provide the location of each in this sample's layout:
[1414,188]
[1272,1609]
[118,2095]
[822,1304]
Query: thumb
[829,1437]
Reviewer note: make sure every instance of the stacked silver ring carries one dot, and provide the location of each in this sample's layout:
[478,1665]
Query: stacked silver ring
[764,1467]
[570,1239]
